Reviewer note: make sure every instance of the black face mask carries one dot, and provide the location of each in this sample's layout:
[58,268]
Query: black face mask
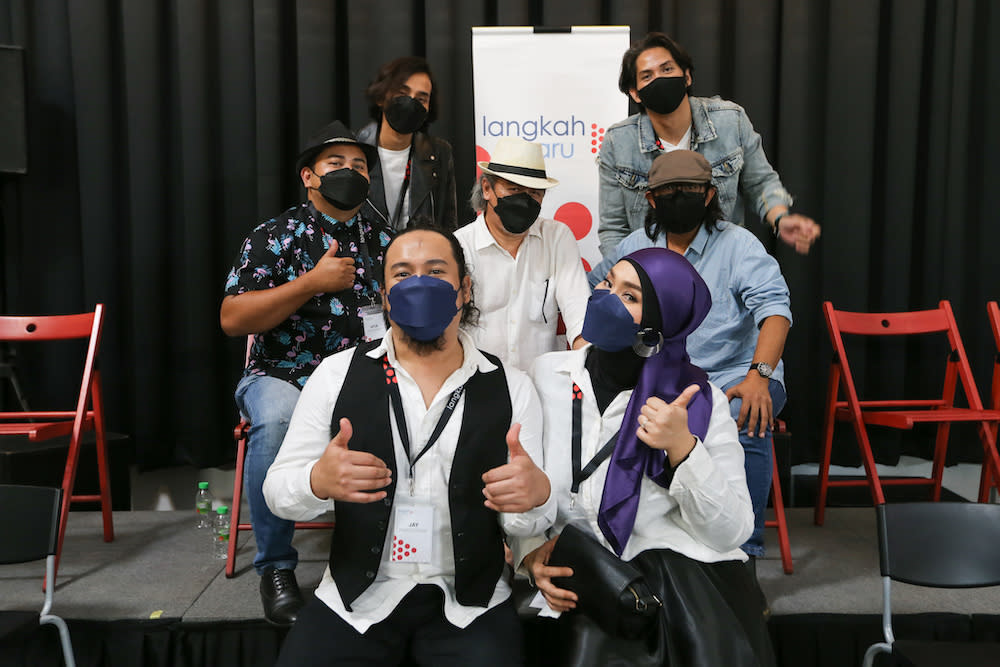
[405,114]
[517,212]
[663,94]
[345,188]
[680,212]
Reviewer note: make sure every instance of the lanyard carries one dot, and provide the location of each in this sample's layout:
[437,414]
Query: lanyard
[579,475]
[366,278]
[397,408]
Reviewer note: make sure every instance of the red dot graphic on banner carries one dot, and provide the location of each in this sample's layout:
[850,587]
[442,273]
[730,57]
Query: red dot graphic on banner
[577,217]
[481,156]
[593,126]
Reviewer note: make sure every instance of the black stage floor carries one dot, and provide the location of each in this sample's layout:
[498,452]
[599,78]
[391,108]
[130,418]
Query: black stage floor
[157,596]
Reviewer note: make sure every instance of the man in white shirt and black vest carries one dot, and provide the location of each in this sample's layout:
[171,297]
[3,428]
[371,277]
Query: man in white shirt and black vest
[526,268]
[428,461]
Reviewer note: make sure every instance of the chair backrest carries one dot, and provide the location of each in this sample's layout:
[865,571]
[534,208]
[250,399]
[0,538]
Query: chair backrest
[939,320]
[940,544]
[47,327]
[19,328]
[29,522]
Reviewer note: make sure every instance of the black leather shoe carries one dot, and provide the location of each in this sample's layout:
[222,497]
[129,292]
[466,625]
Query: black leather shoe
[279,592]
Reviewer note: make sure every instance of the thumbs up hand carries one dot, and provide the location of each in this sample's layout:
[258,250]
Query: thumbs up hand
[519,485]
[332,273]
[346,475]
[664,425]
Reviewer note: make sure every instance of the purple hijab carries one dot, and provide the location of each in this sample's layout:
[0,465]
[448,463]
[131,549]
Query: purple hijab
[684,301]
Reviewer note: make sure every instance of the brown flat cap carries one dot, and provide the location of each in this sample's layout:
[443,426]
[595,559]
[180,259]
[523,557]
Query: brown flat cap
[679,166]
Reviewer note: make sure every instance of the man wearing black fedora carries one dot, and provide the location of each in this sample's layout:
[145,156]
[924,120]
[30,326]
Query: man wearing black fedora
[304,285]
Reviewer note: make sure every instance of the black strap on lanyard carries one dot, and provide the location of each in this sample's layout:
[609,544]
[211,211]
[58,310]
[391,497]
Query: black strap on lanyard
[579,475]
[397,408]
[367,276]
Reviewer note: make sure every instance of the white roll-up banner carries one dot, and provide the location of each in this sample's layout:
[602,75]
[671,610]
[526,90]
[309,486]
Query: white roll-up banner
[558,88]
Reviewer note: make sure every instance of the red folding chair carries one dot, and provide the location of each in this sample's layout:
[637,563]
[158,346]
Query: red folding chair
[993,310]
[88,415]
[240,434]
[778,504]
[904,413]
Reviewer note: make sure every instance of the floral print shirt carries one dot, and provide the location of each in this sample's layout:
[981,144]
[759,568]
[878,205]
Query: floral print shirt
[282,249]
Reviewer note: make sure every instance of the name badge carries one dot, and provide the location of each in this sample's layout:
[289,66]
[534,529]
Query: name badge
[374,322]
[412,533]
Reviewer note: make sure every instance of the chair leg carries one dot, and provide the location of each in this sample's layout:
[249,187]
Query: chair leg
[101,445]
[830,419]
[779,513]
[234,516]
[940,451]
[874,483]
[990,474]
[67,645]
[69,481]
[874,650]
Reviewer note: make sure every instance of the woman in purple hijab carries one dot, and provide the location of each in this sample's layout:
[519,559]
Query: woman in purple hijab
[642,453]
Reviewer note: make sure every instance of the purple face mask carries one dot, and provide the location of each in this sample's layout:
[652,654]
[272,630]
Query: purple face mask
[422,306]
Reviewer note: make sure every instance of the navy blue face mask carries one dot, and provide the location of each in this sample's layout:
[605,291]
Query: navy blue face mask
[422,306]
[608,324]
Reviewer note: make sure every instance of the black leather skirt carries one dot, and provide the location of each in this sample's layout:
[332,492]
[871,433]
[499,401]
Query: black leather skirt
[712,616]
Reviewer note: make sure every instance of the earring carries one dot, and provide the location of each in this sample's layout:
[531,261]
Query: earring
[647,342]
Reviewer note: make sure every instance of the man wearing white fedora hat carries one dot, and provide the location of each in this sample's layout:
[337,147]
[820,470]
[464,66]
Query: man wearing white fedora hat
[526,268]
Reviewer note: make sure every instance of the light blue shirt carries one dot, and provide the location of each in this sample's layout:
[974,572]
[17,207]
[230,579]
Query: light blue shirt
[746,285]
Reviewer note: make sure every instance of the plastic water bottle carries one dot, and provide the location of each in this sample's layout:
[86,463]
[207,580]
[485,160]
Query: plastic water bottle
[203,505]
[220,533]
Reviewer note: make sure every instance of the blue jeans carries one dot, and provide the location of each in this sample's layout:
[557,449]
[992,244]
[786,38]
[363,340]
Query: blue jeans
[267,403]
[758,464]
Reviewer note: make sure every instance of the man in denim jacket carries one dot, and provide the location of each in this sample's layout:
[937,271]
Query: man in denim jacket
[656,74]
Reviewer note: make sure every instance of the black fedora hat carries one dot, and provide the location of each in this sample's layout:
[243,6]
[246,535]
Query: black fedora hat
[334,133]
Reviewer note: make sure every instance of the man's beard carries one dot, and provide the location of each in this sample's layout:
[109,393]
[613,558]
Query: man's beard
[422,348]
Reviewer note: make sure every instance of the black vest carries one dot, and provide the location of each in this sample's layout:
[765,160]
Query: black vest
[359,534]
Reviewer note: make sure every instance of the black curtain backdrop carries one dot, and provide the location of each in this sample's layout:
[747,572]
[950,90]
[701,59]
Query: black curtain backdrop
[161,131]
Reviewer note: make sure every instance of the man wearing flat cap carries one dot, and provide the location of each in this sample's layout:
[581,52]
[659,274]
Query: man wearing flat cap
[526,269]
[741,341]
[304,285]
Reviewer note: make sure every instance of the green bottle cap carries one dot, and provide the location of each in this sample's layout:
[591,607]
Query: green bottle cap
[221,509]
[202,485]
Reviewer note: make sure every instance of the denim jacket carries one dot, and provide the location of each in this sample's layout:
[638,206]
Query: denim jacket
[721,131]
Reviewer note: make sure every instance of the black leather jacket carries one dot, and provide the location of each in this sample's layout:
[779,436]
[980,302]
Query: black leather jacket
[432,180]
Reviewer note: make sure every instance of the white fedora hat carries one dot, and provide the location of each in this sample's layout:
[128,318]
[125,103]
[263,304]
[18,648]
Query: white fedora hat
[519,161]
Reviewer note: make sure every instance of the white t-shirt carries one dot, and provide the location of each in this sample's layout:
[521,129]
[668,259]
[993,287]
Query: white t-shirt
[393,171]
[684,143]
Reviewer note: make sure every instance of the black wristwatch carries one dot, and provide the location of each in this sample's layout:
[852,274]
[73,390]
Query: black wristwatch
[777,220]
[763,369]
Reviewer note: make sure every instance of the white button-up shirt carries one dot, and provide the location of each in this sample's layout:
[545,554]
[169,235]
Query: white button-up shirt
[289,493]
[520,298]
[704,514]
